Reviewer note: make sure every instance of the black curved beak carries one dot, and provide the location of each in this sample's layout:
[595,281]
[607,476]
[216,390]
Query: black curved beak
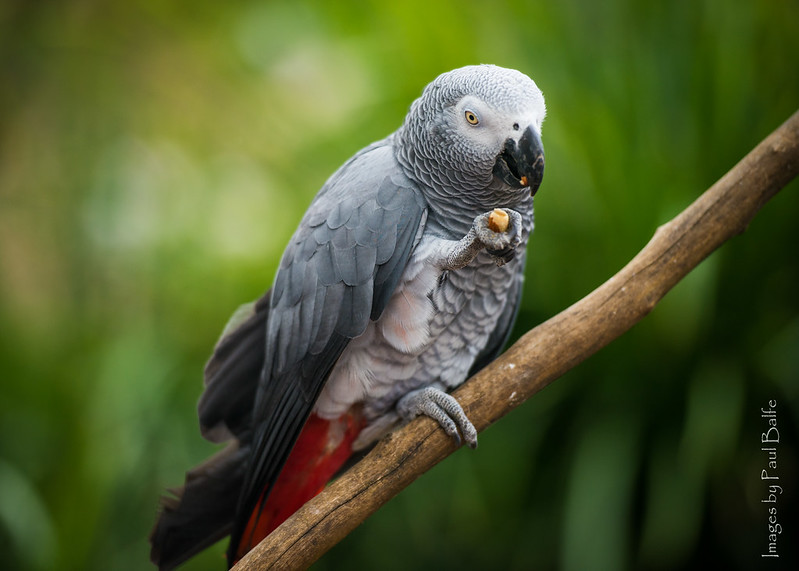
[521,164]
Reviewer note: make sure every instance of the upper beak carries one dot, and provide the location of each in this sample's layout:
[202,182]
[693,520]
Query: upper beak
[521,164]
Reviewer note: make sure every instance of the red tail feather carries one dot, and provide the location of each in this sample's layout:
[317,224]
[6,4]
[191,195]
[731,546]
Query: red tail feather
[320,451]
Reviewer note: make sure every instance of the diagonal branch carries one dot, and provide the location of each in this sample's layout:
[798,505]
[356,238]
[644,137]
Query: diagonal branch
[541,355]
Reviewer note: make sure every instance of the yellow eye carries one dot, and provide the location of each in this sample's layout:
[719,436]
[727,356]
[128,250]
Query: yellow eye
[471,117]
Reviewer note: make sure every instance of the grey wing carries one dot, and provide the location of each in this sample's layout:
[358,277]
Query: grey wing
[501,333]
[336,275]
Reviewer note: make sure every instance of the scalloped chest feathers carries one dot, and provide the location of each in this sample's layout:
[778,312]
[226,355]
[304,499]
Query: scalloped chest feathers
[432,330]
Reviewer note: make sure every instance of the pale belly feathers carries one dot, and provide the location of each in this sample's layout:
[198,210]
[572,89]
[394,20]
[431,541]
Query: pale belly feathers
[431,332]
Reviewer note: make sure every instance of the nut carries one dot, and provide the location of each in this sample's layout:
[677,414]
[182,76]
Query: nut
[498,220]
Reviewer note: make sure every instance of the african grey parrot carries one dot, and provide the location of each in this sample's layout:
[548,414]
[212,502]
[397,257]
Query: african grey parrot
[394,288]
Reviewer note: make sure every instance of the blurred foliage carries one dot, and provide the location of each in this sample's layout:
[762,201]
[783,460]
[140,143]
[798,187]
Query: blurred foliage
[155,157]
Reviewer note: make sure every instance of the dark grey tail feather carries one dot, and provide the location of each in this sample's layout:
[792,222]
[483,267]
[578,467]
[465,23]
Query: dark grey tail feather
[201,512]
[232,373]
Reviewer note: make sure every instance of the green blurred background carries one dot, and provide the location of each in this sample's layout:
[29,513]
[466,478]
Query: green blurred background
[155,157]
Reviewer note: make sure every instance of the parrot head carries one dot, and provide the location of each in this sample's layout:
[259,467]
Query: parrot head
[478,128]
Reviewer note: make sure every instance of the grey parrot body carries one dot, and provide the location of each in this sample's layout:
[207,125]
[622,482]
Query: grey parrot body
[391,291]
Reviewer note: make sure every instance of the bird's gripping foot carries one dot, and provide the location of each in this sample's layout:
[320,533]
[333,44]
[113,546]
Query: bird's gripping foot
[442,407]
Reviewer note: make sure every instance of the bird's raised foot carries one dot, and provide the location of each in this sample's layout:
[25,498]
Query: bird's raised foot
[501,245]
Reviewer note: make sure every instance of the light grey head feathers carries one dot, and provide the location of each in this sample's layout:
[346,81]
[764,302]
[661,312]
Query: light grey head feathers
[455,133]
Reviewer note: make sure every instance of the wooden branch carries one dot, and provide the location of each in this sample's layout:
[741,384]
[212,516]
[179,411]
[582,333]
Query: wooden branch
[540,356]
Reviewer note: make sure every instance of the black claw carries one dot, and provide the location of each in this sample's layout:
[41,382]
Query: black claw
[501,253]
[506,254]
[509,256]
